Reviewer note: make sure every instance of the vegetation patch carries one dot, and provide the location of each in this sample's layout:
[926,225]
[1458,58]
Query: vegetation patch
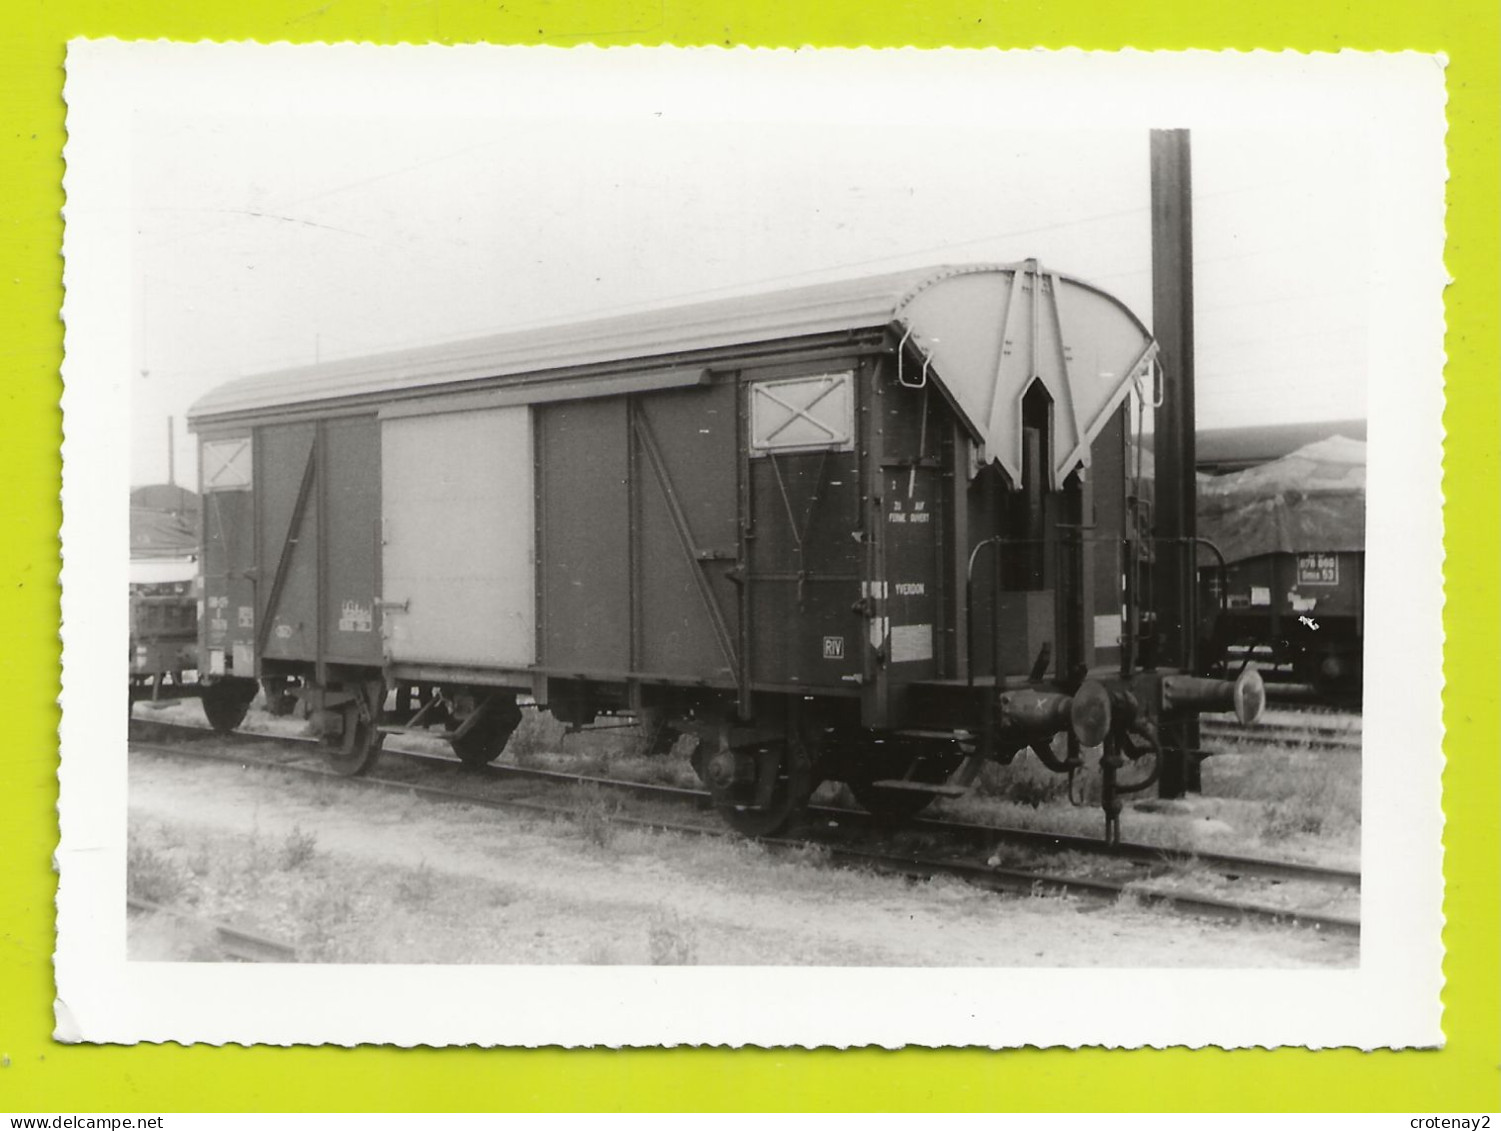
[326,913]
[671,940]
[416,888]
[1292,795]
[299,847]
[153,876]
[594,811]
[811,854]
[610,748]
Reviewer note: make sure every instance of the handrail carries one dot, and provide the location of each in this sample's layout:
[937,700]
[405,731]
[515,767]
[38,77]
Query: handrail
[1133,597]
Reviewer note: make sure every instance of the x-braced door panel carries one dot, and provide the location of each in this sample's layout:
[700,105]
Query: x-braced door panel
[287,573]
[685,489]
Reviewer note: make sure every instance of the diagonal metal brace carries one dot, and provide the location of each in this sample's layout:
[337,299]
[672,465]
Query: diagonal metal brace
[284,562]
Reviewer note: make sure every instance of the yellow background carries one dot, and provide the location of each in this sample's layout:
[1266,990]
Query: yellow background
[38,1075]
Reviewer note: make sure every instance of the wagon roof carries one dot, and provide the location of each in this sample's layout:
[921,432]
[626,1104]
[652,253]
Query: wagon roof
[958,334]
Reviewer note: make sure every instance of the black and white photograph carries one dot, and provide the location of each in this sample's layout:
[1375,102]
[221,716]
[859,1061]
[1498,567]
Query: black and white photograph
[662,546]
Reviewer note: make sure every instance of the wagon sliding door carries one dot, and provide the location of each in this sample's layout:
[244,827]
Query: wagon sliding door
[457,527]
[639,537]
[688,535]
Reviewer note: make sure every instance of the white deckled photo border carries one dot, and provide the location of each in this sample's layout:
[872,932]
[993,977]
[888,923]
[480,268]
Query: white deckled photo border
[1397,102]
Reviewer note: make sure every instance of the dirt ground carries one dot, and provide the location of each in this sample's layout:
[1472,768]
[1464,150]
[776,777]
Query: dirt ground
[353,875]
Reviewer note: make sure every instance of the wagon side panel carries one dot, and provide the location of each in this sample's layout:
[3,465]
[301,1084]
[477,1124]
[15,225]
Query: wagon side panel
[351,529]
[457,561]
[584,567]
[911,530]
[808,566]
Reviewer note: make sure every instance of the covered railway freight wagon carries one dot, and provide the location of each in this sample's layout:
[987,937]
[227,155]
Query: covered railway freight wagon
[877,531]
[1286,582]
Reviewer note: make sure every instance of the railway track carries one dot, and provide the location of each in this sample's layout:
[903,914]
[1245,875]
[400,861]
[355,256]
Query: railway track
[234,944]
[1314,730]
[824,817]
[919,849]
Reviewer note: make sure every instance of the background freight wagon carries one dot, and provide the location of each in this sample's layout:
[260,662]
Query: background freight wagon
[1292,590]
[787,524]
[163,590]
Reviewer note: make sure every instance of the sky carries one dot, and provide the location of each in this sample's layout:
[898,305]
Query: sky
[271,232]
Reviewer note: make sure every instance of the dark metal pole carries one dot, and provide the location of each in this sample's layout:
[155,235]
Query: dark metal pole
[1176,496]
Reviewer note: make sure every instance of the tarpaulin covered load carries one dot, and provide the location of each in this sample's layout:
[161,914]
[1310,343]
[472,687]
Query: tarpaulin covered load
[161,534]
[1312,499]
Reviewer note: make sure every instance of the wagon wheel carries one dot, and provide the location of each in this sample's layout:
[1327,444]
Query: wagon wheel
[1333,673]
[225,703]
[886,804]
[775,796]
[498,718]
[355,750]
